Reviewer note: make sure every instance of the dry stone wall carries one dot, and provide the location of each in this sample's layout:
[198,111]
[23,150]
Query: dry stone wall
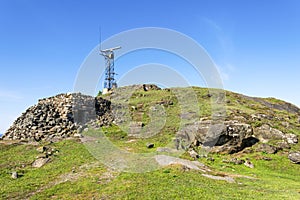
[59,117]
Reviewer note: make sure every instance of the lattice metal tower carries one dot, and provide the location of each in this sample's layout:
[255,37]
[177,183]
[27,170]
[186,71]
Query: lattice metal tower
[109,81]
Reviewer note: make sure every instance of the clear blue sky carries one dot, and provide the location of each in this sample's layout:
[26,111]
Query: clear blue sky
[255,43]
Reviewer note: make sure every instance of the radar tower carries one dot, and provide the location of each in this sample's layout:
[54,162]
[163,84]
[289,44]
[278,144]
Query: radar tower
[109,81]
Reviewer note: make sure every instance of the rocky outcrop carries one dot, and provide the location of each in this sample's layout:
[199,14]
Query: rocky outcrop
[58,117]
[228,137]
[266,133]
[232,137]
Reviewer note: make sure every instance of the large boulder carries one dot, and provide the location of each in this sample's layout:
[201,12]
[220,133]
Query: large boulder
[265,133]
[228,137]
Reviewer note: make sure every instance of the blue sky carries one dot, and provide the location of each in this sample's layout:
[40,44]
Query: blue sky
[254,43]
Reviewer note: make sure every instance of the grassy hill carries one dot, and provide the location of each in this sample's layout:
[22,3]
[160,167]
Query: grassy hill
[73,173]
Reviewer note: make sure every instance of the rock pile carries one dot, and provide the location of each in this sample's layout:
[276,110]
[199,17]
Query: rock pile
[58,117]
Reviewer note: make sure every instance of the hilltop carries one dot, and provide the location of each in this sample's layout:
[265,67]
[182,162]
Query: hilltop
[205,145]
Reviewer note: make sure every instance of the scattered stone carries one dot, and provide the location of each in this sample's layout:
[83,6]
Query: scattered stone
[14,175]
[266,148]
[50,152]
[249,164]
[40,162]
[193,154]
[237,161]
[78,135]
[41,149]
[267,158]
[291,138]
[261,116]
[294,157]
[149,145]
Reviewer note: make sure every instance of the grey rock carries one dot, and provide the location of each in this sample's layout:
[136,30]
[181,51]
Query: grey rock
[40,162]
[267,158]
[291,138]
[265,133]
[294,157]
[266,148]
[86,129]
[249,164]
[228,137]
[78,135]
[41,149]
[193,154]
[14,175]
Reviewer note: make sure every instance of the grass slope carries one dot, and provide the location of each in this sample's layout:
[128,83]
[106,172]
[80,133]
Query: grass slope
[73,173]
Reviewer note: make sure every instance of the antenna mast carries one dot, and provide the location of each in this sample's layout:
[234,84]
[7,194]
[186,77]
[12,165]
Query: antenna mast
[109,81]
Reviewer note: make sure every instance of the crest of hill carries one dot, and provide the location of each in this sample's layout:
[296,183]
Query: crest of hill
[248,120]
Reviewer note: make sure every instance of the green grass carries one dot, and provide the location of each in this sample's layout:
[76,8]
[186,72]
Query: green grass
[20,157]
[276,179]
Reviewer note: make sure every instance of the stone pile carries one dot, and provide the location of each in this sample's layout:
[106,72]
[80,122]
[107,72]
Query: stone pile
[58,117]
